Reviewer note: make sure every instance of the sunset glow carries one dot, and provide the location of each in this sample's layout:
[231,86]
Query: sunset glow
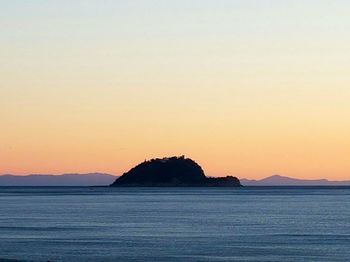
[246,88]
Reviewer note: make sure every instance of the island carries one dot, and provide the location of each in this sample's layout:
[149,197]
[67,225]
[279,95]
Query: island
[172,172]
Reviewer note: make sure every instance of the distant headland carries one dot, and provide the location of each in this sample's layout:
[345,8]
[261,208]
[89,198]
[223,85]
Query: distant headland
[277,180]
[75,179]
[172,171]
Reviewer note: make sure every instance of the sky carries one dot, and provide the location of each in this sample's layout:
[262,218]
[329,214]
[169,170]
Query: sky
[248,88]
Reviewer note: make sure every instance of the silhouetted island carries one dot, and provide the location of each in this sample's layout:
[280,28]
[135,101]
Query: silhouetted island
[173,171]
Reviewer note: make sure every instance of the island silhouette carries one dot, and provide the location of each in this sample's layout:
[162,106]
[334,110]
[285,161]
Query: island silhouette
[172,171]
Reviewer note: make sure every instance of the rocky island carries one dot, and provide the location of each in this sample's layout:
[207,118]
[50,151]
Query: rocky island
[173,171]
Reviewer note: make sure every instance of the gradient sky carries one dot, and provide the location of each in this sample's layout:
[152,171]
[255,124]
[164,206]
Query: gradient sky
[246,88]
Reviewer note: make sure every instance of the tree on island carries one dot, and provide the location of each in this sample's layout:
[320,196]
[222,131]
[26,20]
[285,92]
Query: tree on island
[172,171]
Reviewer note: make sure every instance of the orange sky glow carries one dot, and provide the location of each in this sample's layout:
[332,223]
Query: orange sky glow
[244,89]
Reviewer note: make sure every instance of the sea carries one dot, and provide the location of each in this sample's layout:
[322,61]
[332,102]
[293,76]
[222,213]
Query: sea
[175,224]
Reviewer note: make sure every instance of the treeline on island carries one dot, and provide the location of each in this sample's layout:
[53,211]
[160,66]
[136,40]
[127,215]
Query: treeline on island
[172,171]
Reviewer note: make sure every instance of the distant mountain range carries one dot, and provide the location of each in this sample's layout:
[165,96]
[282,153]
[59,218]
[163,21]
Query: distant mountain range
[102,179]
[91,179]
[278,180]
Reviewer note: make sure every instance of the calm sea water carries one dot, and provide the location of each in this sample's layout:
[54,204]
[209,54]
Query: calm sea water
[175,224]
